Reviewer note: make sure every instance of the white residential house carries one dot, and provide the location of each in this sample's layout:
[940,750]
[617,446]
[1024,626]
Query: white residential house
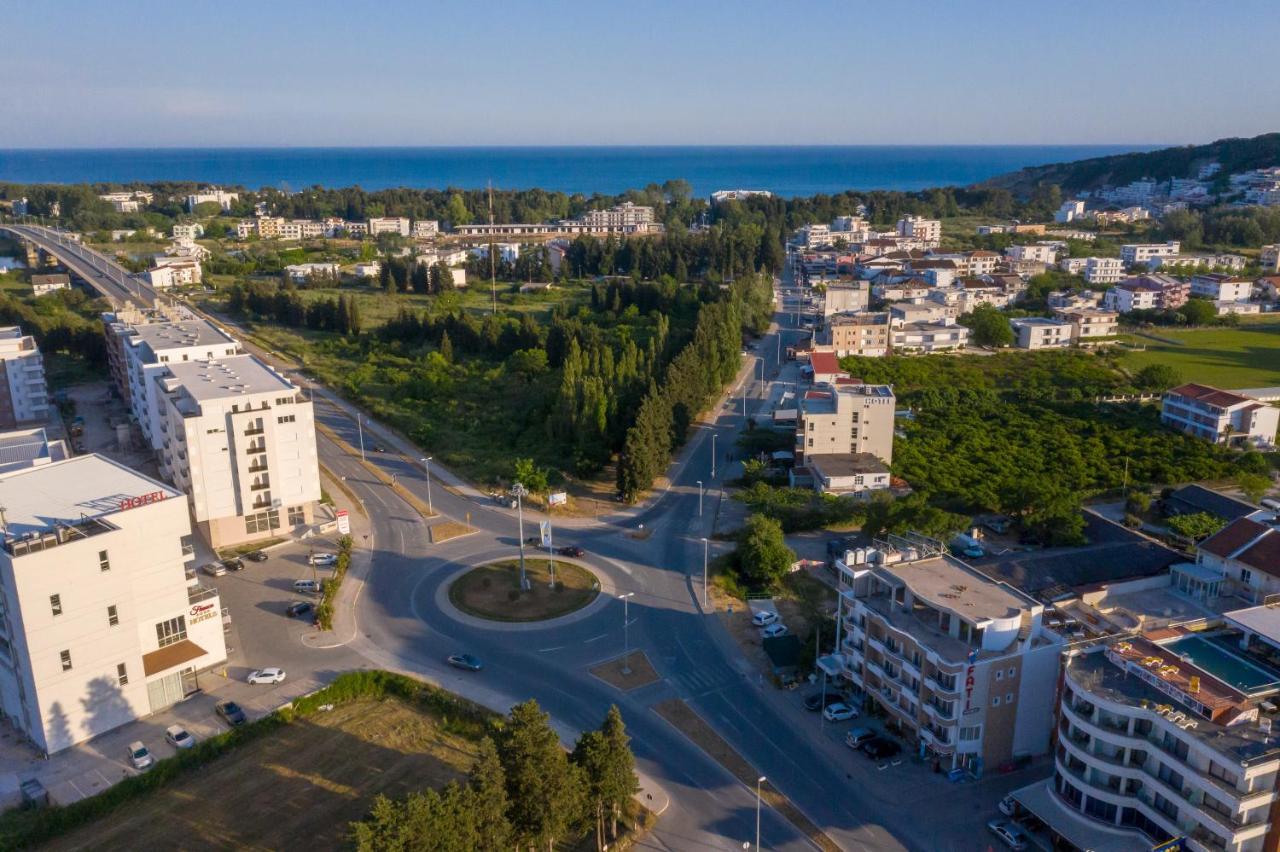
[1089,322]
[1221,288]
[1037,253]
[423,228]
[44,284]
[174,271]
[1042,333]
[221,198]
[368,269]
[1069,211]
[188,231]
[24,394]
[303,271]
[928,231]
[1103,270]
[1269,258]
[1220,416]
[389,225]
[1132,253]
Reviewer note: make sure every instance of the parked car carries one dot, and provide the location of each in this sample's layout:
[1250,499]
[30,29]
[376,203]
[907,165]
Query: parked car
[1009,832]
[214,569]
[268,676]
[256,556]
[178,737]
[312,586]
[139,756]
[323,559]
[1008,806]
[880,748]
[506,501]
[857,736]
[470,662]
[378,448]
[973,551]
[230,712]
[839,712]
[818,701]
[233,564]
[572,550]
[298,608]
[534,540]
[775,629]
[764,617]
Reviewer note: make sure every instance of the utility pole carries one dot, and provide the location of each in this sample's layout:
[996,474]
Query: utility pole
[626,640]
[493,275]
[706,545]
[426,464]
[759,781]
[360,429]
[699,498]
[713,455]
[551,546]
[518,491]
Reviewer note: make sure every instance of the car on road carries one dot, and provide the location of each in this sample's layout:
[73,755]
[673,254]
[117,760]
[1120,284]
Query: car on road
[214,569]
[880,748]
[1009,832]
[139,756]
[535,540]
[378,448]
[572,550]
[323,559]
[312,586]
[267,676]
[775,629]
[857,736]
[298,608]
[179,737]
[256,556]
[233,564]
[230,712]
[470,662]
[839,712]
[817,701]
[764,618]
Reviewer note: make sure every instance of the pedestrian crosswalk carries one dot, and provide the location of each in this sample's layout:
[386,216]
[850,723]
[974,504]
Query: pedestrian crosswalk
[701,682]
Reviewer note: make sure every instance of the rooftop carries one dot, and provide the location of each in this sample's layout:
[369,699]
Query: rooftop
[947,583]
[28,448]
[1209,395]
[1038,321]
[1197,498]
[844,464]
[1248,541]
[162,336]
[227,378]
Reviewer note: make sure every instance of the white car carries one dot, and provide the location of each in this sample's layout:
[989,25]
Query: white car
[271,675]
[775,629]
[839,713]
[1008,806]
[140,757]
[178,737]
[1009,832]
[312,586]
[324,559]
[764,617]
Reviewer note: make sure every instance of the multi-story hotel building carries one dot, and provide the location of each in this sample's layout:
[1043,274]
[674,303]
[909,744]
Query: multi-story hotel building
[24,395]
[855,334]
[102,619]
[917,227]
[1220,416]
[927,337]
[958,661]
[389,225]
[846,418]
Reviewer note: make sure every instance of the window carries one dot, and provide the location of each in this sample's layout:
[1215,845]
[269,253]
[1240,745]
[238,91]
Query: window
[288,418]
[970,734]
[66,661]
[173,630]
[297,516]
[113,616]
[104,564]
[55,603]
[999,674]
[1008,698]
[1013,672]
[1245,575]
[1099,809]
[995,702]
[122,674]
[262,521]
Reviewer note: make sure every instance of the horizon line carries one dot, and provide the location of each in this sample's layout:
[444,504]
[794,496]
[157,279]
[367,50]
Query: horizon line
[593,146]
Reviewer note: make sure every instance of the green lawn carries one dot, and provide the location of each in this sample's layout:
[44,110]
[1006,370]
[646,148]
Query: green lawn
[1243,357]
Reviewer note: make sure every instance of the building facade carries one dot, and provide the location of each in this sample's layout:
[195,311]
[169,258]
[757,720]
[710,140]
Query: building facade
[1132,253]
[24,394]
[1223,417]
[1042,333]
[846,418]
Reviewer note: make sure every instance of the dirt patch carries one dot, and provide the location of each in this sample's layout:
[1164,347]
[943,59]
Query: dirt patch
[446,530]
[613,671]
[684,719]
[308,780]
[493,591]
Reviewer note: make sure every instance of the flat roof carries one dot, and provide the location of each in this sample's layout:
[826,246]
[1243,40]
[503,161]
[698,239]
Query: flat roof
[1262,621]
[28,447]
[1197,498]
[225,378]
[1077,829]
[1057,323]
[844,464]
[948,583]
[35,499]
[161,336]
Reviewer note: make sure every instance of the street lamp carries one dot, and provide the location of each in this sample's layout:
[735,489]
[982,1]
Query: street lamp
[360,429]
[759,781]
[426,464]
[713,454]
[518,491]
[699,498]
[706,545]
[626,639]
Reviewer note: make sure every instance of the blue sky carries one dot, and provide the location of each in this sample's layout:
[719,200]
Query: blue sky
[361,72]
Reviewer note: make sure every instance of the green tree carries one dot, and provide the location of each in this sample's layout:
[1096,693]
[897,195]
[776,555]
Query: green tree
[457,213]
[1199,312]
[763,556]
[1157,377]
[528,474]
[528,364]
[1254,485]
[990,327]
[608,769]
[488,785]
[1196,526]
[544,789]
[446,348]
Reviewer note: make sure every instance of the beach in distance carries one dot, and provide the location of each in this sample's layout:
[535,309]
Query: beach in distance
[784,170]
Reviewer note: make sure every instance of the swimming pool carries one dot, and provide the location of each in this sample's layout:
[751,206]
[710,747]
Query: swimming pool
[1225,665]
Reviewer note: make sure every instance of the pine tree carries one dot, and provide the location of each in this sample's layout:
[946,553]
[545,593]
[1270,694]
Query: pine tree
[446,348]
[618,783]
[487,783]
[543,787]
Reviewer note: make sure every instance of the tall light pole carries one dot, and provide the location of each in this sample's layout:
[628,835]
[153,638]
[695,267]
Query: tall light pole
[713,454]
[706,546]
[759,781]
[360,429]
[519,491]
[760,363]
[699,498]
[626,638]
[426,464]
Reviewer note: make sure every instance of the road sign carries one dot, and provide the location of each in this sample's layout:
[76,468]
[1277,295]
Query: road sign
[557,498]
[344,522]
[545,529]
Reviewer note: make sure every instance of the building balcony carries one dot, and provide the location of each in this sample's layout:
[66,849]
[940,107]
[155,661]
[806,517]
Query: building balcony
[250,433]
[937,686]
[933,711]
[260,486]
[258,467]
[255,450]
[198,593]
[261,505]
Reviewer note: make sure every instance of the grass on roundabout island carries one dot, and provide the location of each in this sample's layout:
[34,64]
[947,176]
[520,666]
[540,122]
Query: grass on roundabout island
[492,591]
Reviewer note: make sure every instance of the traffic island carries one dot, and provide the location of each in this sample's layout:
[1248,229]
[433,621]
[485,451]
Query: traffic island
[626,673]
[492,591]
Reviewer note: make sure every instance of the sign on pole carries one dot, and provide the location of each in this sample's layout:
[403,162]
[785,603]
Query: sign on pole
[545,529]
[557,498]
[344,522]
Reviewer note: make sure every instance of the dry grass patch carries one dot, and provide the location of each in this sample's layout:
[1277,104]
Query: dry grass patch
[684,719]
[493,591]
[446,530]
[641,671]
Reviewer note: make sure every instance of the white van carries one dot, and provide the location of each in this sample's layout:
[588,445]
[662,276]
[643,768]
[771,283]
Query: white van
[1271,503]
[306,586]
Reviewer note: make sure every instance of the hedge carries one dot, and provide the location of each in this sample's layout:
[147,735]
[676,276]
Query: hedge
[329,588]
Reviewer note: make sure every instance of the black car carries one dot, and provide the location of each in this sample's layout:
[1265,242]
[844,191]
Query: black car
[817,701]
[233,564]
[256,556]
[470,662]
[880,748]
[534,540]
[230,712]
[299,608]
[570,550]
[378,448]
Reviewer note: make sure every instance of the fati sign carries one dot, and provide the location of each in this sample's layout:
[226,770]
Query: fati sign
[141,500]
[201,612]
[344,522]
[557,498]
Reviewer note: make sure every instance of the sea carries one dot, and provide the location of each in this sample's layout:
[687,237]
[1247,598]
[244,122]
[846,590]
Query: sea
[784,171]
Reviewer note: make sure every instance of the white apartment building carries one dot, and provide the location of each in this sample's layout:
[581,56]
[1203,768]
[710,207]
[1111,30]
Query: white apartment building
[1041,333]
[961,662]
[859,333]
[24,394]
[188,231]
[1132,253]
[1269,258]
[1088,322]
[928,231]
[843,298]
[389,225]
[1073,265]
[1147,292]
[1220,416]
[303,271]
[927,337]
[1037,253]
[1221,288]
[102,620]
[240,440]
[846,418]
[223,199]
[174,271]
[1069,211]
[623,217]
[507,252]
[424,228]
[1103,270]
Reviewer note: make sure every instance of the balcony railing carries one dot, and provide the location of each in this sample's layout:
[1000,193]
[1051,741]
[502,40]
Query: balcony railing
[249,433]
[259,486]
[195,594]
[252,450]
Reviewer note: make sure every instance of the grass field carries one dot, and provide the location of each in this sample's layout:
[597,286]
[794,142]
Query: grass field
[1244,357]
[486,591]
[299,787]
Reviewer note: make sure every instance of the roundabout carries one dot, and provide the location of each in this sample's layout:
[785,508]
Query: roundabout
[488,594]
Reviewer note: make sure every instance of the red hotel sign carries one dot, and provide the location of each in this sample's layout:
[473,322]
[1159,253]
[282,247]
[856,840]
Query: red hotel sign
[141,500]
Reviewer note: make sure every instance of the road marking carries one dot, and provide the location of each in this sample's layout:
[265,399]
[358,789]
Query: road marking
[556,648]
[594,638]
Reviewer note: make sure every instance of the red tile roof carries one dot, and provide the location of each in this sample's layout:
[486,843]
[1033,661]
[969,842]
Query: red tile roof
[1243,537]
[825,362]
[1210,396]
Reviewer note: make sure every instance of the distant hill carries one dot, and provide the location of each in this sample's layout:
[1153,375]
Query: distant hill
[1235,155]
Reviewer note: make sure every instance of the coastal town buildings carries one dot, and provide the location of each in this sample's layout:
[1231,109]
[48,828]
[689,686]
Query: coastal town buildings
[1132,253]
[1220,416]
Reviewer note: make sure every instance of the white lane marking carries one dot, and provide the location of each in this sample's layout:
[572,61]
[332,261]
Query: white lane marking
[594,638]
[556,648]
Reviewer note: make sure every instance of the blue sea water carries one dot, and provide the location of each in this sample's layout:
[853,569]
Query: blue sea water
[786,171]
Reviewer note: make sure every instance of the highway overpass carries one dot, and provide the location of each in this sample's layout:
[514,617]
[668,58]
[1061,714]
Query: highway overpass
[100,272]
